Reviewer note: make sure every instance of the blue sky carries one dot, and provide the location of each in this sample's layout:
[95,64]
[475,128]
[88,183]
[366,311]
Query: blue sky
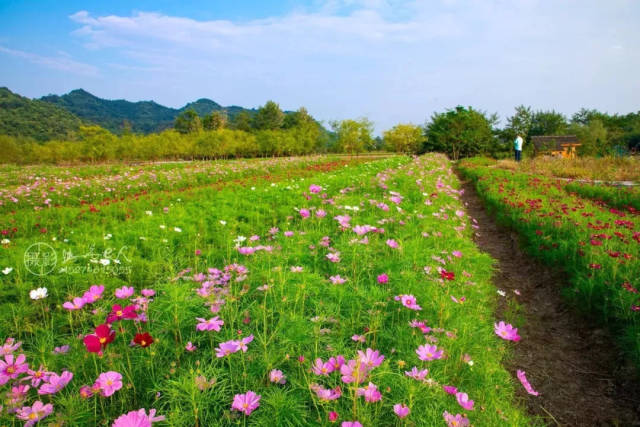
[391,61]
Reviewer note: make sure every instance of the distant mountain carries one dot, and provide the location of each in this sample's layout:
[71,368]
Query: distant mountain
[142,116]
[20,116]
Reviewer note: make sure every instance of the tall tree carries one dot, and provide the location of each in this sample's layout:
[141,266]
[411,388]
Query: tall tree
[188,122]
[241,121]
[353,136]
[214,121]
[548,123]
[268,117]
[404,138]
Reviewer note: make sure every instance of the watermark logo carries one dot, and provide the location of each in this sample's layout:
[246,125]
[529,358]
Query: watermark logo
[40,259]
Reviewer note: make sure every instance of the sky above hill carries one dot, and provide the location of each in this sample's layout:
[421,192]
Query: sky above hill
[391,61]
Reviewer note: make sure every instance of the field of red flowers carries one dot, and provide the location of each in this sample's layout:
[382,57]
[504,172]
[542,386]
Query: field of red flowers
[590,231]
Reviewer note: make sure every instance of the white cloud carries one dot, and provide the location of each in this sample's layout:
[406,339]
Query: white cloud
[62,62]
[390,60]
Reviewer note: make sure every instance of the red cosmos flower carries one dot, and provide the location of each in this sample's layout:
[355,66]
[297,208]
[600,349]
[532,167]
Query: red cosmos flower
[143,340]
[448,275]
[97,341]
[119,313]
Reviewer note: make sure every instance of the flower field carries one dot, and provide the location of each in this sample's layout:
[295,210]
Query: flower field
[275,292]
[590,231]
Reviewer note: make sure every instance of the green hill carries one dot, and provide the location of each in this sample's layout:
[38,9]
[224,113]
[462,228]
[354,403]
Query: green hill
[20,116]
[143,116]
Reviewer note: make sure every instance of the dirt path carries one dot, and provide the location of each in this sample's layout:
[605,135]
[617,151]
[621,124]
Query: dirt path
[577,370]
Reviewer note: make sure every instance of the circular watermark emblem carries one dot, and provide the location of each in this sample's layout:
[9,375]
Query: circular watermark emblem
[40,259]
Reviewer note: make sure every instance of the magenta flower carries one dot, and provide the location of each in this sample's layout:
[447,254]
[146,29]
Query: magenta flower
[76,304]
[93,294]
[276,376]
[370,393]
[137,418]
[321,213]
[358,338]
[383,278]
[401,410]
[337,280]
[463,400]
[315,189]
[242,344]
[85,392]
[33,414]
[212,324]
[334,257]
[429,353]
[55,383]
[226,348]
[392,244]
[148,292]
[525,383]
[456,420]
[304,213]
[417,374]
[337,362]
[370,358]
[326,394]
[190,346]
[109,383]
[9,346]
[449,389]
[506,331]
[246,403]
[119,313]
[333,416]
[124,292]
[409,301]
[38,376]
[63,349]
[350,424]
[11,368]
[322,368]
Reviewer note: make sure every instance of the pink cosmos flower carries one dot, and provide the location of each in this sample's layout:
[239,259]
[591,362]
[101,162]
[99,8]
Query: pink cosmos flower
[63,349]
[34,413]
[350,424]
[321,213]
[93,294]
[353,372]
[288,233]
[464,401]
[212,324]
[449,389]
[392,244]
[525,383]
[304,213]
[190,346]
[370,358]
[276,376]
[383,278]
[124,292]
[333,256]
[242,344]
[506,331]
[55,383]
[401,410]
[429,352]
[457,254]
[343,220]
[417,374]
[326,394]
[315,189]
[226,348]
[109,382]
[370,393]
[85,392]
[333,416]
[337,280]
[358,338]
[337,362]
[38,376]
[76,304]
[246,403]
[9,346]
[11,368]
[408,301]
[148,292]
[322,368]
[456,420]
[137,418]
[17,395]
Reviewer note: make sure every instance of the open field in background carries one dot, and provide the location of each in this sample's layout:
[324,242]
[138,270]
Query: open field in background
[331,288]
[590,231]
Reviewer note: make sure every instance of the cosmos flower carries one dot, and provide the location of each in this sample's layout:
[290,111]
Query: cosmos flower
[506,331]
[213,324]
[464,401]
[246,403]
[124,292]
[370,393]
[93,294]
[417,374]
[11,368]
[227,348]
[55,383]
[337,280]
[370,358]
[525,383]
[409,301]
[120,313]
[401,410]
[98,341]
[109,383]
[429,353]
[143,340]
[276,376]
[383,278]
[34,413]
[137,418]
[322,368]
[76,304]
[38,293]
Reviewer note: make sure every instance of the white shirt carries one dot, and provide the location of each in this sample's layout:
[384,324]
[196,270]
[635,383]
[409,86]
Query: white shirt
[517,143]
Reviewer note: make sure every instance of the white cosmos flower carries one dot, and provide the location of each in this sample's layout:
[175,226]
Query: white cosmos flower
[223,222]
[7,270]
[148,213]
[39,293]
[5,241]
[177,229]
[105,261]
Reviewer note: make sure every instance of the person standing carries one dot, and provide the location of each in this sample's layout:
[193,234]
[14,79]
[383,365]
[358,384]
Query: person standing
[517,144]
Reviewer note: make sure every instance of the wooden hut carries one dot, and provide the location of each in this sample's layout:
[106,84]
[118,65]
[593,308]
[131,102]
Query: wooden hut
[556,145]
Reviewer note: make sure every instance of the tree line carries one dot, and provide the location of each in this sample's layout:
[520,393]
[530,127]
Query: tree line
[458,132]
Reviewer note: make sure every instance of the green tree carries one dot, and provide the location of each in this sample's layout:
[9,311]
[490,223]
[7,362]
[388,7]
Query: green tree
[353,136]
[188,122]
[214,121]
[241,121]
[268,117]
[461,132]
[404,138]
[548,123]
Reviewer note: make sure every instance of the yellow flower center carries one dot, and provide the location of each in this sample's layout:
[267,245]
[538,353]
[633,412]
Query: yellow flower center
[109,382]
[103,340]
[119,313]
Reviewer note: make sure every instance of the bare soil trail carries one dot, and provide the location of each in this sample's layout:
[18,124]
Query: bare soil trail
[574,365]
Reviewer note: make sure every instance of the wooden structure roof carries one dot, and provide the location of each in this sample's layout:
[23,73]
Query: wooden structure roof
[554,142]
